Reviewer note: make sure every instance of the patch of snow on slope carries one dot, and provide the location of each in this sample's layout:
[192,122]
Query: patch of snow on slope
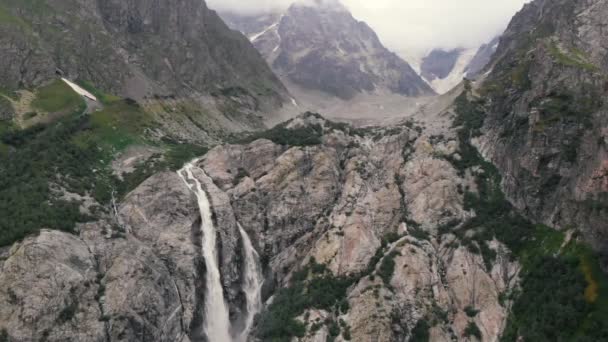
[444,85]
[413,59]
[255,37]
[79,90]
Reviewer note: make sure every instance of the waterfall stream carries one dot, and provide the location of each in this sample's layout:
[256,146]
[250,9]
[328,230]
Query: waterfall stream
[252,283]
[217,323]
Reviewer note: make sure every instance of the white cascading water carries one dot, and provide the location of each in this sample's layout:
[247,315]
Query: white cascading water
[217,322]
[252,283]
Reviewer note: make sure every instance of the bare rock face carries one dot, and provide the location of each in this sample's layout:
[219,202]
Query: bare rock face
[335,202]
[136,277]
[547,118]
[140,274]
[318,45]
[48,288]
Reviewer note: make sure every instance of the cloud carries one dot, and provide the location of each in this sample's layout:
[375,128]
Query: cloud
[412,26]
[249,6]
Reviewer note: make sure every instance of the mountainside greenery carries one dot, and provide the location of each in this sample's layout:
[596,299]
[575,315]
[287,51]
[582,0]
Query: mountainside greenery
[313,287]
[564,293]
[47,170]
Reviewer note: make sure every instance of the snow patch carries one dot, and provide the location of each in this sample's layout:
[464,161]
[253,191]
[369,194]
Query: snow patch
[255,37]
[457,74]
[79,90]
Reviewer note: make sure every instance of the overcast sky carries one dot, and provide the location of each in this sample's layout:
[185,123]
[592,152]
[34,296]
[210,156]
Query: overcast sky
[413,26]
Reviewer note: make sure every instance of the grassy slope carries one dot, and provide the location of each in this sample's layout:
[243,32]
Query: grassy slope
[73,154]
[56,97]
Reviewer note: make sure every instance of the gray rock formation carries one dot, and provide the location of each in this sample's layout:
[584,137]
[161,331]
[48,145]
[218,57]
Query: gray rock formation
[546,119]
[482,58]
[439,63]
[138,275]
[114,45]
[320,46]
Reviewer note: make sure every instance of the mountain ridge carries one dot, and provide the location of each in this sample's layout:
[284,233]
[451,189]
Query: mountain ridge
[348,52]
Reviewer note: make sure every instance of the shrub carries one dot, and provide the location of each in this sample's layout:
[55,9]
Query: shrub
[56,97]
[281,135]
[312,287]
[4,336]
[387,268]
[241,173]
[69,311]
[420,333]
[471,311]
[472,330]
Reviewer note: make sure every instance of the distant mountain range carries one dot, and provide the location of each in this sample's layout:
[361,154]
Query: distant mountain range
[321,46]
[444,69]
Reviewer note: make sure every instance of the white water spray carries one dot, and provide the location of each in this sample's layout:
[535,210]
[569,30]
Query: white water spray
[252,283]
[217,322]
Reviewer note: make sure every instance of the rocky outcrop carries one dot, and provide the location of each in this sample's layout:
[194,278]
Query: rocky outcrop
[546,118]
[482,58]
[318,45]
[335,202]
[113,46]
[138,274]
[62,304]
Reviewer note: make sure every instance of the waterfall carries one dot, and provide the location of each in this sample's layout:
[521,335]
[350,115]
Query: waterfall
[252,283]
[217,322]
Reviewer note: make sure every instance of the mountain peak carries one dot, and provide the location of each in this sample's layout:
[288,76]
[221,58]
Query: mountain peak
[318,45]
[324,5]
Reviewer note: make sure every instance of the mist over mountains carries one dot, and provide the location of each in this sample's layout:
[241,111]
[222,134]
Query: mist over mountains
[411,27]
[169,173]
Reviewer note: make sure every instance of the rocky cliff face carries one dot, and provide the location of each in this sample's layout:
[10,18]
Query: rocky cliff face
[320,46]
[547,121]
[369,205]
[114,46]
[482,58]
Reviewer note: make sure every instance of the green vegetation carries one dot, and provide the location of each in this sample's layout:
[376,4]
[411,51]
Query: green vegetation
[33,5]
[57,97]
[575,58]
[564,297]
[387,268]
[301,136]
[8,19]
[6,108]
[73,155]
[471,311]
[241,173]
[469,120]
[314,287]
[564,105]
[4,335]
[472,330]
[564,294]
[104,98]
[68,312]
[420,333]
